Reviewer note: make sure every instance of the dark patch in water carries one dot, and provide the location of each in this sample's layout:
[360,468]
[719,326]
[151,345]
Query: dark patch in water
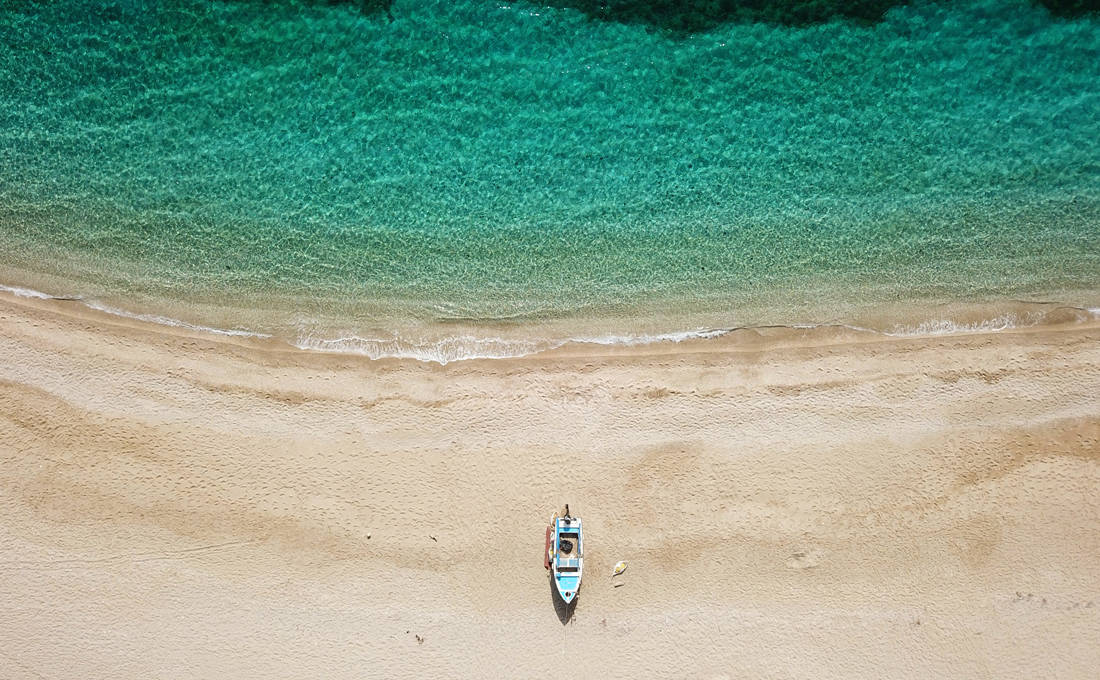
[1071,8]
[690,16]
[367,7]
[364,7]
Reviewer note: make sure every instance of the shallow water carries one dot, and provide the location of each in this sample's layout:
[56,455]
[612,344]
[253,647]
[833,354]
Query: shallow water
[502,171]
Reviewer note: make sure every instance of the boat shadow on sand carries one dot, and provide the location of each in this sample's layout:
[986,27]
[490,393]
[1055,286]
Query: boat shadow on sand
[563,610]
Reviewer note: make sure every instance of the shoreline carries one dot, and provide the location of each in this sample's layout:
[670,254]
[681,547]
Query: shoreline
[448,344]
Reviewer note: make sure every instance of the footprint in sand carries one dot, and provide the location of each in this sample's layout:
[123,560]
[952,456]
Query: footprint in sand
[807,559]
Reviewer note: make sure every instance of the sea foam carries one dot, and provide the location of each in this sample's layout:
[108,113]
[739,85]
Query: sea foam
[451,348]
[176,323]
[446,349]
[157,319]
[27,293]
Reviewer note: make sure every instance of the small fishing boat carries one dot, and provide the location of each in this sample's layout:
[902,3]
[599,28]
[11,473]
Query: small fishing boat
[565,554]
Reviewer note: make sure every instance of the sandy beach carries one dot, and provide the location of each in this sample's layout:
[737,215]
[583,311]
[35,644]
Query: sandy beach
[822,503]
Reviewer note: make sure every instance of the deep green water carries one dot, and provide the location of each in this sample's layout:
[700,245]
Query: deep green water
[483,160]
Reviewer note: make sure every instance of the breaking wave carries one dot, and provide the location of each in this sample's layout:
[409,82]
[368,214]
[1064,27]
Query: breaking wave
[464,347]
[176,323]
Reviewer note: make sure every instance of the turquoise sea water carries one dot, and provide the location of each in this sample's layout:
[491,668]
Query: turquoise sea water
[331,173]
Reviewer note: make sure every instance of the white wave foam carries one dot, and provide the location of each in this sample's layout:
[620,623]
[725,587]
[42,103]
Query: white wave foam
[949,327]
[26,292]
[175,323]
[441,351]
[448,349]
[114,311]
[999,323]
[631,340]
[466,347]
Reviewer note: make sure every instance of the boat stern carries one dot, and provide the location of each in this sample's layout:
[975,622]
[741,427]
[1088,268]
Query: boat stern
[567,586]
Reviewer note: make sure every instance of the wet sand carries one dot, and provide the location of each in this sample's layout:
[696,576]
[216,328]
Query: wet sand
[818,503]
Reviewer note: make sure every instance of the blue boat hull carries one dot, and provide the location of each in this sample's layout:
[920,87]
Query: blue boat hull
[566,556]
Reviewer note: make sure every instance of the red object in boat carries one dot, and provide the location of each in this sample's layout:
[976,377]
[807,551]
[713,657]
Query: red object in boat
[546,550]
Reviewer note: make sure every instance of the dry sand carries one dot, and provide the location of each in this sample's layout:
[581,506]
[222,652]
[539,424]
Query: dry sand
[795,504]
